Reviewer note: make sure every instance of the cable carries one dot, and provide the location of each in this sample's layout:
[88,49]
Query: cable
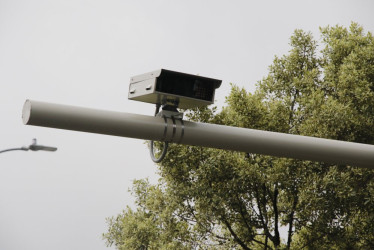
[163,153]
[151,145]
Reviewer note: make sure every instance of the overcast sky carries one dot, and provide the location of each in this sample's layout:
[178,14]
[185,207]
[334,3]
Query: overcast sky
[83,53]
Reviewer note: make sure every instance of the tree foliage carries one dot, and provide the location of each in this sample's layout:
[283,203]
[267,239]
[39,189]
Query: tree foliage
[214,199]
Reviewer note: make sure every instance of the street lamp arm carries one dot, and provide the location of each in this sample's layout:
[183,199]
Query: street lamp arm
[14,149]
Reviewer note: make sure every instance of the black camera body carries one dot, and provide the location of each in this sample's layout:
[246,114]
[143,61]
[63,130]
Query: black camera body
[166,87]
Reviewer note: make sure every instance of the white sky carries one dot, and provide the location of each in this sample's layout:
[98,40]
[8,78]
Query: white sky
[83,53]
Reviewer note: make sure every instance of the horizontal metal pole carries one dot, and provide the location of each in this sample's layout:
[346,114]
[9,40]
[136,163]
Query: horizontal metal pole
[199,134]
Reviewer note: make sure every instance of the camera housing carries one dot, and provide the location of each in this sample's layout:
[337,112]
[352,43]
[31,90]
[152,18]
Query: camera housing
[180,90]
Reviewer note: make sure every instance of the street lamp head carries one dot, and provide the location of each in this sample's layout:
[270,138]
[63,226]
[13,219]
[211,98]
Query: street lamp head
[35,147]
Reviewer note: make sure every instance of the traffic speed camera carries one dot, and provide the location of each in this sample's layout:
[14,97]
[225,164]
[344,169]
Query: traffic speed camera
[166,87]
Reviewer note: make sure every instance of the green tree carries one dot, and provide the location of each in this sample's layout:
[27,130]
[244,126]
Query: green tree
[215,199]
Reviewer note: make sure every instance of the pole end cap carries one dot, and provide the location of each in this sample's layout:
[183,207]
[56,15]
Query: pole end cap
[26,112]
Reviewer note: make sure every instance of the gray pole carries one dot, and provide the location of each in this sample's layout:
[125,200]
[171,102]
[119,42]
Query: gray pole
[199,134]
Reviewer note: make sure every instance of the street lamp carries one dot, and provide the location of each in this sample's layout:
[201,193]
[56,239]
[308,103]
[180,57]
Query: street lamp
[33,147]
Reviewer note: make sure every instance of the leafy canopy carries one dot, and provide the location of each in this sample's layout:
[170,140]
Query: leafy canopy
[214,199]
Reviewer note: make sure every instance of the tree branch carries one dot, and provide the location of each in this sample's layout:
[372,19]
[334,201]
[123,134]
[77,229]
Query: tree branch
[243,213]
[264,223]
[266,242]
[237,239]
[276,238]
[292,214]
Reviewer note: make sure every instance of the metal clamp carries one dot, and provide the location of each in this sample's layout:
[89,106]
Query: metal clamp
[174,116]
